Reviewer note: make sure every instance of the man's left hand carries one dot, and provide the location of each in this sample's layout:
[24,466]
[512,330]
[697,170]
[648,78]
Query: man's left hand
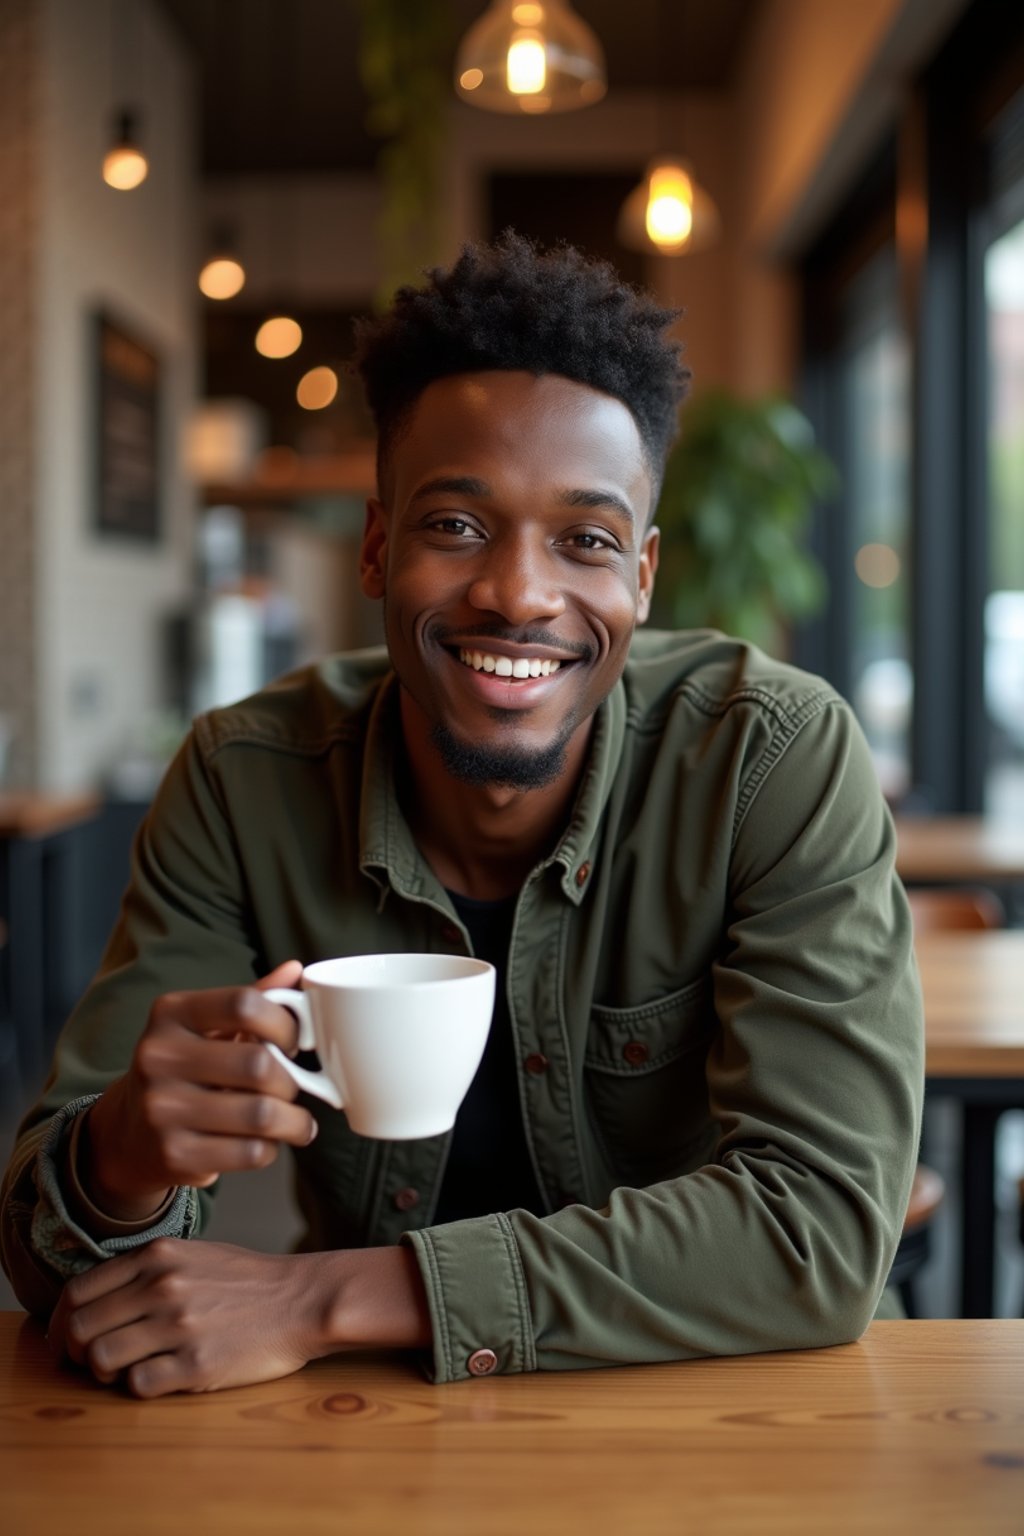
[178,1316]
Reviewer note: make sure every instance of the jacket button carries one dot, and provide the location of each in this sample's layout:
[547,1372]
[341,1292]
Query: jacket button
[450,934]
[536,1063]
[636,1052]
[482,1362]
[582,874]
[407,1199]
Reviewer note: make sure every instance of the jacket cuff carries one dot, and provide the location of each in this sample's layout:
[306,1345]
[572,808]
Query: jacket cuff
[61,1241]
[476,1292]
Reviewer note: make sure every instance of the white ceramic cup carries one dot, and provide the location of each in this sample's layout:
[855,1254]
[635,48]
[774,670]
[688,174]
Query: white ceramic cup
[399,1037]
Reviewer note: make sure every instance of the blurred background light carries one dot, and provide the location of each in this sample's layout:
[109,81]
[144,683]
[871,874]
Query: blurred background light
[279,336]
[317,389]
[124,165]
[877,565]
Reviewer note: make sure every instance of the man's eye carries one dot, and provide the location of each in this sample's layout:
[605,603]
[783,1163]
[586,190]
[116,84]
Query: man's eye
[589,541]
[453,525]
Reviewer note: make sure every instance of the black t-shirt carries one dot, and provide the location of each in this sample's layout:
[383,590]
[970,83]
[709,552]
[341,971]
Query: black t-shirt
[489,1167]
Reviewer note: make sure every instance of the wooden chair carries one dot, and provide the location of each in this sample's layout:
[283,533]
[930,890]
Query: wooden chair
[935,909]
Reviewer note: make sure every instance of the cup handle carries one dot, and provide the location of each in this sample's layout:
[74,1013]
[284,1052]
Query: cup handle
[316,1083]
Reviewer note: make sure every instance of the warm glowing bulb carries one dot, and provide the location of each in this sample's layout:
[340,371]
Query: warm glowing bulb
[669,215]
[222,278]
[279,336]
[528,14]
[317,388]
[526,69]
[125,167]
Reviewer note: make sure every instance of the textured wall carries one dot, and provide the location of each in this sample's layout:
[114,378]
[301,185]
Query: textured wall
[18,233]
[101,599]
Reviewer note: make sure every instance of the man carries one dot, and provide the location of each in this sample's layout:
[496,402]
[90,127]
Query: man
[695,1125]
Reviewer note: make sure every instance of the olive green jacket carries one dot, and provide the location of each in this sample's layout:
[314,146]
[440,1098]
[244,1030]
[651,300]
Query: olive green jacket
[715,962]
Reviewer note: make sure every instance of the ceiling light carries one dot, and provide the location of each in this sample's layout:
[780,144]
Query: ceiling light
[530,57]
[124,165]
[669,212]
[317,388]
[223,274]
[279,336]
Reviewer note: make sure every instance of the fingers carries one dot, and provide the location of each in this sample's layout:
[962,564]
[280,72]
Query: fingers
[241,1064]
[248,1115]
[159,1375]
[226,1011]
[287,974]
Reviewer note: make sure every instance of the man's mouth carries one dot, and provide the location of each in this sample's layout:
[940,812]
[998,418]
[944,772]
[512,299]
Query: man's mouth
[506,666]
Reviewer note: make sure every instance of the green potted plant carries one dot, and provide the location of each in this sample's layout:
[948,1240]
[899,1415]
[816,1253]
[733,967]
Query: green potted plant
[739,489]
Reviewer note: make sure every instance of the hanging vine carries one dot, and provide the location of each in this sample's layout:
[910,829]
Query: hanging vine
[404,53]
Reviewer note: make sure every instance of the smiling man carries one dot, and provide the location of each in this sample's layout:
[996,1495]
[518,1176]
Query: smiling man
[694,1127]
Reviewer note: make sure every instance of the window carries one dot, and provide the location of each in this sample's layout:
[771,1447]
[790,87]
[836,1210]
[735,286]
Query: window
[1004,426]
[874,371]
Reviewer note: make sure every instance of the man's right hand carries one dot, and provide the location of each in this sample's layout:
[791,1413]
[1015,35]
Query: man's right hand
[202,1097]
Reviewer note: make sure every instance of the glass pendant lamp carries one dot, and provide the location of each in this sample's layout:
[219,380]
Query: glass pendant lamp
[530,56]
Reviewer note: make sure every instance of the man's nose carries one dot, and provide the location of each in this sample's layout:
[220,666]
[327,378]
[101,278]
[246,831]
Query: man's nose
[519,583]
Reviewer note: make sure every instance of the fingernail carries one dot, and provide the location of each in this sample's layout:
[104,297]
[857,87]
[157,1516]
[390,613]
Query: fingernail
[314,1132]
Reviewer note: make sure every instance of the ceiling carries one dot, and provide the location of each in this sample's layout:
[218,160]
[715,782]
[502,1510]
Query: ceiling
[279,79]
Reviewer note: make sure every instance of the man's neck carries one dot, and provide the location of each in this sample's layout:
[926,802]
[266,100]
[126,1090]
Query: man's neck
[481,840]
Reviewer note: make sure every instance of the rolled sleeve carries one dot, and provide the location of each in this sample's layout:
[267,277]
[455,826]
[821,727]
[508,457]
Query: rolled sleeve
[64,1243]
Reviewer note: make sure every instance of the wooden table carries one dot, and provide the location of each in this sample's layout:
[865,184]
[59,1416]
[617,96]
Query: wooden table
[959,848]
[974,1052]
[919,1425]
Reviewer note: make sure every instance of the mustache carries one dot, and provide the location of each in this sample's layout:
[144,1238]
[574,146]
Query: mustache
[522,637]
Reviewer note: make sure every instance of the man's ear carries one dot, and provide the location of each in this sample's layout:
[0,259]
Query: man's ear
[648,568]
[373,554]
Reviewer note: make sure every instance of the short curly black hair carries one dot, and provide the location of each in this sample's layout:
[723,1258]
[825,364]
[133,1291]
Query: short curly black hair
[512,306]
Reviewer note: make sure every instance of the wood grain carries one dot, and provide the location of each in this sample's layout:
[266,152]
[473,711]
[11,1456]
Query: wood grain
[973,987]
[958,848]
[918,1422]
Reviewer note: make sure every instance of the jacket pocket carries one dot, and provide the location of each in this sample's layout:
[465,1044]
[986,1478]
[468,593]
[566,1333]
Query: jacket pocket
[645,1083]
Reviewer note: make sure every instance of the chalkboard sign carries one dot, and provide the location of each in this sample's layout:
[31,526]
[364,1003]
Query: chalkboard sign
[128,448]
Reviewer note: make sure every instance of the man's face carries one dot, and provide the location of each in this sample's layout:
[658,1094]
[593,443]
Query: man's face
[511,541]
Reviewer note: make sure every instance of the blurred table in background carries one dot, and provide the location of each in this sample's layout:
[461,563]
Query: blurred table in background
[959,848]
[973,987]
[37,847]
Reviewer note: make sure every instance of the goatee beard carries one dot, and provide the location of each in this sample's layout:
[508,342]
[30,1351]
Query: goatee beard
[510,767]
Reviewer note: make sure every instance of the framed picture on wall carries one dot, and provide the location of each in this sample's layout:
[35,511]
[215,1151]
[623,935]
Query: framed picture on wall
[127,432]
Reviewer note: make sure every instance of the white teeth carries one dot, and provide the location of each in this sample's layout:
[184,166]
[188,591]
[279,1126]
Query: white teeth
[504,666]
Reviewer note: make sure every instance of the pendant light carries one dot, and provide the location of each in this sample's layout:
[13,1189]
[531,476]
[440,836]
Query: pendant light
[125,167]
[530,56]
[280,334]
[669,213]
[223,274]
